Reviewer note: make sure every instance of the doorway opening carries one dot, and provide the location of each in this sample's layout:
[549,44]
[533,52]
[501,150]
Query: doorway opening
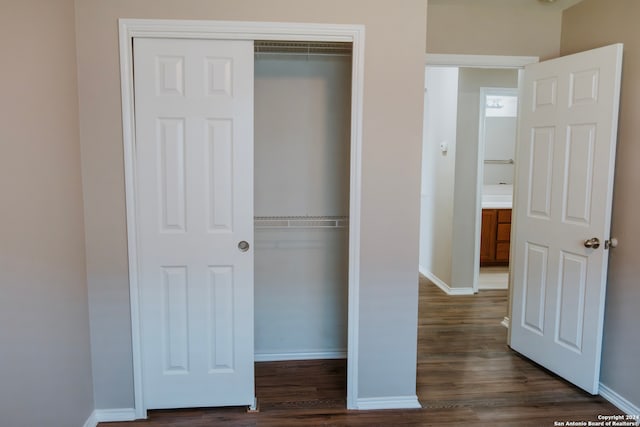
[454,187]
[553,266]
[302,119]
[453,174]
[496,154]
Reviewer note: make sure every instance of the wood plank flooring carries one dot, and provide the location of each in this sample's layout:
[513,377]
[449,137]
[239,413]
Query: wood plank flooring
[467,376]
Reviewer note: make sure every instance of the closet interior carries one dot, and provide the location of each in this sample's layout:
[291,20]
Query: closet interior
[302,99]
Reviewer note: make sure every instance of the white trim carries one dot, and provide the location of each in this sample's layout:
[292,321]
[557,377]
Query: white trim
[423,271]
[357,96]
[467,290]
[442,285]
[238,30]
[301,355]
[618,401]
[130,28]
[128,140]
[505,322]
[112,415]
[92,421]
[391,402]
[478,61]
[255,406]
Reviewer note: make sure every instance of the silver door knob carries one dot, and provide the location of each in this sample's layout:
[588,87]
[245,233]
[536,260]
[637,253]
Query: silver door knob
[243,246]
[593,243]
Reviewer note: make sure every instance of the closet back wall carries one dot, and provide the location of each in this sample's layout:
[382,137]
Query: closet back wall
[302,125]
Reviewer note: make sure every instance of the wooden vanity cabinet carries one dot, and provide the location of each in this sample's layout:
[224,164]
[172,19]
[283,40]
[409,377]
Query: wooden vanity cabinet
[495,237]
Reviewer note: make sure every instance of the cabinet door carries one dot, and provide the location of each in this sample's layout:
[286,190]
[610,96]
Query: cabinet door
[488,235]
[503,236]
[502,252]
[504,216]
[504,232]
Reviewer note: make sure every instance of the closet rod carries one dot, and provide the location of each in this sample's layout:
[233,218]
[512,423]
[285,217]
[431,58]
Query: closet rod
[499,162]
[301,221]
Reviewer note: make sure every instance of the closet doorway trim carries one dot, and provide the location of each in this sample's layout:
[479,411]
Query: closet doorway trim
[239,30]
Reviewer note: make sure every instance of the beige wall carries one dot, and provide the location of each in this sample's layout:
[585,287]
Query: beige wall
[390,179]
[591,24]
[438,172]
[466,177]
[45,364]
[493,27]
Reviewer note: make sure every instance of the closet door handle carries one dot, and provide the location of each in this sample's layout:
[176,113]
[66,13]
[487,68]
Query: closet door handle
[243,245]
[593,243]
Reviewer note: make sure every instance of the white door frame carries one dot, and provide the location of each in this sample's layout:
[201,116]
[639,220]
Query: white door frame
[481,61]
[236,30]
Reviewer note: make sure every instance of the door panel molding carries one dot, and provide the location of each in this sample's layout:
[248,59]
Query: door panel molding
[195,287]
[567,145]
[239,30]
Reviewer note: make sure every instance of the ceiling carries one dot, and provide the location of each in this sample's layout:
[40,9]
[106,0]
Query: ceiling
[557,5]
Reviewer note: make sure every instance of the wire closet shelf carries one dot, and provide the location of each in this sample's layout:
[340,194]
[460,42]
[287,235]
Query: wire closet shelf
[270,47]
[318,222]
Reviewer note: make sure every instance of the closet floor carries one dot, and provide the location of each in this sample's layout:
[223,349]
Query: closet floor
[467,376]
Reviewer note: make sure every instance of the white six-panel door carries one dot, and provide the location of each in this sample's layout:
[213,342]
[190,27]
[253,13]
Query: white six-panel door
[567,138]
[194,195]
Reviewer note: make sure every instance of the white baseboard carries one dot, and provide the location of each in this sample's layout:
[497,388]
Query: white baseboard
[484,287]
[304,355]
[119,414]
[422,270]
[391,402]
[618,401]
[505,322]
[442,285]
[91,421]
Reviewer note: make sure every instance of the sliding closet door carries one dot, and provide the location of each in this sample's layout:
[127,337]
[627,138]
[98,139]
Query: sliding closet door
[194,173]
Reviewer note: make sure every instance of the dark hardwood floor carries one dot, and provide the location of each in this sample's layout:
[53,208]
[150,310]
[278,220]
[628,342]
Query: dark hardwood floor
[467,376]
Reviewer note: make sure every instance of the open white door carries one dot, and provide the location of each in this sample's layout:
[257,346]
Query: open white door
[566,156]
[194,199]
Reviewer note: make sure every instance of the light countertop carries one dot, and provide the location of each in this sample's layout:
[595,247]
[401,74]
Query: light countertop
[497,196]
